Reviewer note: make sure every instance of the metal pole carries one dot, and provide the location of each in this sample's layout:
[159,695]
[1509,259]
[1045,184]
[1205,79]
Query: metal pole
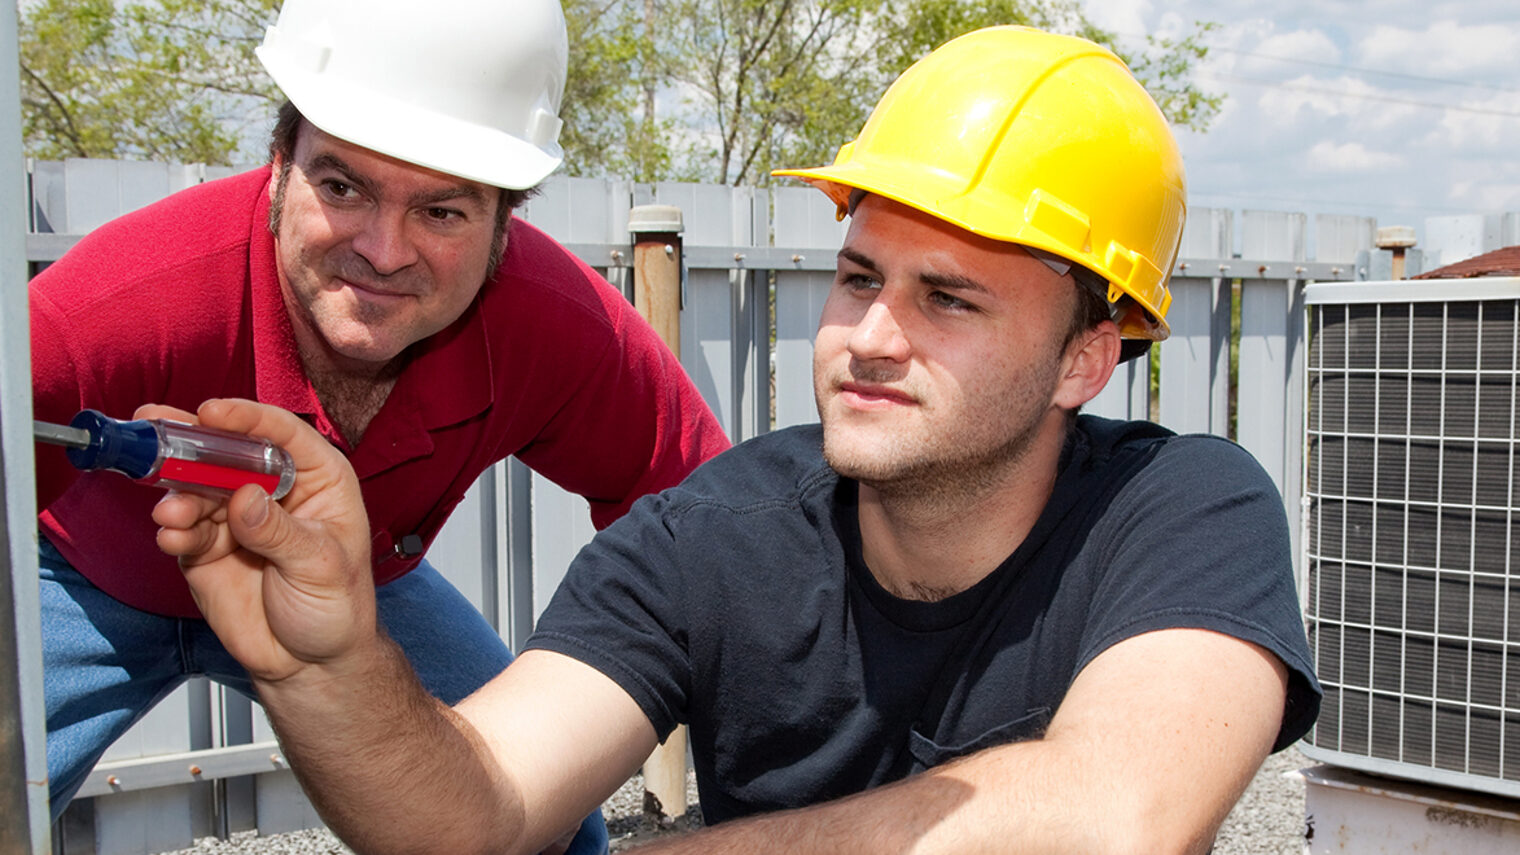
[656,233]
[23,754]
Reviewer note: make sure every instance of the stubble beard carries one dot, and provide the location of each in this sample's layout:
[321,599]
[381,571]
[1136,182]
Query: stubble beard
[944,474]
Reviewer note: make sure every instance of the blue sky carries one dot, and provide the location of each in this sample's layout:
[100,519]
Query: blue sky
[1398,110]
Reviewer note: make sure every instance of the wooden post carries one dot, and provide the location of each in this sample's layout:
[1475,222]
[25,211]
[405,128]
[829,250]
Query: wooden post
[656,231]
[1396,239]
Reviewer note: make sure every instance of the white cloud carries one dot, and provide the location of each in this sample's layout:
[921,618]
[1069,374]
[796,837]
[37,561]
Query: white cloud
[1126,17]
[1486,196]
[1443,48]
[1172,25]
[1307,92]
[1319,130]
[1486,123]
[1313,45]
[1328,156]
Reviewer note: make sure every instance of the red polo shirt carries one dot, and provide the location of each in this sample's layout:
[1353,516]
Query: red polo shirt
[179,302]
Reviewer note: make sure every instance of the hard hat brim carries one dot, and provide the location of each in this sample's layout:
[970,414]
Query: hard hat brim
[838,181]
[438,142]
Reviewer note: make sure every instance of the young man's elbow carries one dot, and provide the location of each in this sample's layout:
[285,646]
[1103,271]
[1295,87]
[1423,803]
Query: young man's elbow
[1153,833]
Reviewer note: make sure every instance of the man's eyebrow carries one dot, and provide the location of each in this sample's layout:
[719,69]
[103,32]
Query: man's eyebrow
[858,257]
[954,282]
[468,192]
[330,161]
[463,190]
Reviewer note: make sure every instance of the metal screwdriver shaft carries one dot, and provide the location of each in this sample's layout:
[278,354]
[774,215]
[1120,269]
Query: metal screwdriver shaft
[61,435]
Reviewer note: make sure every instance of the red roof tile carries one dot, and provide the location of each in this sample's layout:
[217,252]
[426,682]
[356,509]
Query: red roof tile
[1500,262]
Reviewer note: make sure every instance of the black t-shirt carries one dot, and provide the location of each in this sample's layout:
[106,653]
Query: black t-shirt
[738,603]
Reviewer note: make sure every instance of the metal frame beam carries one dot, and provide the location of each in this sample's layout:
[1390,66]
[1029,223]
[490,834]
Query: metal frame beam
[23,754]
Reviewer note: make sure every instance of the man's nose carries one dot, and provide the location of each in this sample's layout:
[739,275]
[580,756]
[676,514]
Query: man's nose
[385,244]
[879,335]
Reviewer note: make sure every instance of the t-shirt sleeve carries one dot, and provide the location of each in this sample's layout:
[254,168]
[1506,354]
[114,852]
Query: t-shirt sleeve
[621,610]
[1199,539]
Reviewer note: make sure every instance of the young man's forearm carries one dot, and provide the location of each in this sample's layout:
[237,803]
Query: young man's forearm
[1156,740]
[1023,798]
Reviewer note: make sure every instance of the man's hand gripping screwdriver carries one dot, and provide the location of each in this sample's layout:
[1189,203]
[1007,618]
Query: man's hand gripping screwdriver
[172,455]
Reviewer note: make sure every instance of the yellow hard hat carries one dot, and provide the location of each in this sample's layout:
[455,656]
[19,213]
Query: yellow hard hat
[1035,138]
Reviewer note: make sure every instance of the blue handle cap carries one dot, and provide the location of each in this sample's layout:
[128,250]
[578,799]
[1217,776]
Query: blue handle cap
[130,448]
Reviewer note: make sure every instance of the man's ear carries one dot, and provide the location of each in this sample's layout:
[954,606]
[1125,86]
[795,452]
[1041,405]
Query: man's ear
[1087,364]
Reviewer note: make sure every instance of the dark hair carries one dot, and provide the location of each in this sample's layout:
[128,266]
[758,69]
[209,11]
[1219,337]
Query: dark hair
[1092,306]
[282,138]
[282,148]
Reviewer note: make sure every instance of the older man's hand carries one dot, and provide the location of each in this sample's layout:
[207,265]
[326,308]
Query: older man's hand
[285,585]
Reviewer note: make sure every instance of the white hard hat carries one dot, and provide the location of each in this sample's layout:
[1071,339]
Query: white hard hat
[467,87]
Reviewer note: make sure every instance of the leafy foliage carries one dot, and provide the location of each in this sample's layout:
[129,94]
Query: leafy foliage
[702,90]
[742,86]
[151,79]
[610,124]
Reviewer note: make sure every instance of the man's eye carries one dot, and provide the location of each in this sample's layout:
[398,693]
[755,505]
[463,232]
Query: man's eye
[949,301]
[339,189]
[859,282]
[443,214]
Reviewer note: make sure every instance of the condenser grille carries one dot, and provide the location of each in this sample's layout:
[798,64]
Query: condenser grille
[1412,608]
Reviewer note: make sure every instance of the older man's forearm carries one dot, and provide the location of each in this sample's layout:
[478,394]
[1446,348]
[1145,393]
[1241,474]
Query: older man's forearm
[388,767]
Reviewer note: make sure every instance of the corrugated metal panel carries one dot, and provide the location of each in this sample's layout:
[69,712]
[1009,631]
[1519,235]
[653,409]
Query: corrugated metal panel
[804,220]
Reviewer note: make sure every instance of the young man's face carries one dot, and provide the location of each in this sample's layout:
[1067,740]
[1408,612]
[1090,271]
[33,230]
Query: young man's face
[939,354]
[375,254]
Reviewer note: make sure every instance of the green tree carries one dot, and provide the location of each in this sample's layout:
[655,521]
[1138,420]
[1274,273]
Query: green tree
[150,79]
[709,90]
[767,82]
[610,124]
[747,85]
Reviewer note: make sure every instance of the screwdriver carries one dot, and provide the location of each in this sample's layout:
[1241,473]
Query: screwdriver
[172,455]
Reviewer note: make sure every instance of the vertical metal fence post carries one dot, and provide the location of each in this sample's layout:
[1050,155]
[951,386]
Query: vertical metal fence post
[23,759]
[656,231]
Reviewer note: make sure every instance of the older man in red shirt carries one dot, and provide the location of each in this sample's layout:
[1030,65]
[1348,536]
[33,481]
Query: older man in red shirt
[373,281]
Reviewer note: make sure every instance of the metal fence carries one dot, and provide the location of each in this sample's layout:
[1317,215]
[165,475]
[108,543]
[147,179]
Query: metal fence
[758,264]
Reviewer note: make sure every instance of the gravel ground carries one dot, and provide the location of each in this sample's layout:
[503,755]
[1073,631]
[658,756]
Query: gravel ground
[1269,820]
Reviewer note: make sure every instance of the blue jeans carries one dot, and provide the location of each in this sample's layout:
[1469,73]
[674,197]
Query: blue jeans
[105,664]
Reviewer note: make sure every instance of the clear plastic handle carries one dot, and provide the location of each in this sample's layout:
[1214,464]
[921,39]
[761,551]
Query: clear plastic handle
[208,461]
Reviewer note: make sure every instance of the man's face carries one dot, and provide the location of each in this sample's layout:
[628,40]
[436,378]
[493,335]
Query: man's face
[375,254]
[939,354]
